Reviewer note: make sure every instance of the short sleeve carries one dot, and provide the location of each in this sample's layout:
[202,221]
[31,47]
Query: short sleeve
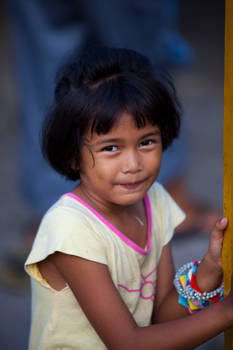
[67,231]
[166,211]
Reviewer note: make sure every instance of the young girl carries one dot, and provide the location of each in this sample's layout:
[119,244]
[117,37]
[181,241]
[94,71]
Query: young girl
[101,266]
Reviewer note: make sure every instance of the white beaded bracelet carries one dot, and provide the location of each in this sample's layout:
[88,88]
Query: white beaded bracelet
[190,293]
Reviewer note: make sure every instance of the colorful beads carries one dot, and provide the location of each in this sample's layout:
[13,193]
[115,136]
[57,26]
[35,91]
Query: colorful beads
[190,295]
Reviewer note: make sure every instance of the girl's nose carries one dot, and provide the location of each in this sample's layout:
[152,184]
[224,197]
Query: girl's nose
[132,162]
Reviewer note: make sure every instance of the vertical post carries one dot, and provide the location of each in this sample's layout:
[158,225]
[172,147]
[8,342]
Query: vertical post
[227,255]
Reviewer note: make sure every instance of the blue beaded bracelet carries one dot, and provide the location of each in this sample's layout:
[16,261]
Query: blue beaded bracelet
[193,299]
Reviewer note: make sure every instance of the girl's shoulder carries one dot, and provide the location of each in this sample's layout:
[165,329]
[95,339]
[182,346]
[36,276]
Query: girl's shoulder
[68,227]
[164,209]
[158,195]
[67,211]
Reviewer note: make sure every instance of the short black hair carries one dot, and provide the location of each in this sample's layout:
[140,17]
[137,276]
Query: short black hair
[93,91]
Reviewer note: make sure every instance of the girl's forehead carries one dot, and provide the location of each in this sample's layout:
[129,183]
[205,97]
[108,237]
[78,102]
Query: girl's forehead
[128,121]
[125,126]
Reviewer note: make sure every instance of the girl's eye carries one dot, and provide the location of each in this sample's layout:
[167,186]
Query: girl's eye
[110,148]
[147,142]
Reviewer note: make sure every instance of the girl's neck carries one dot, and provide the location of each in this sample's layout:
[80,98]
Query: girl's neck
[104,208]
[131,220]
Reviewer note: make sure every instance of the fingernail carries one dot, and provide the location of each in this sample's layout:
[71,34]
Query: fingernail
[223,220]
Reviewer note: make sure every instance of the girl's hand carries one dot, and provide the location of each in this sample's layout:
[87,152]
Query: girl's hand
[209,273]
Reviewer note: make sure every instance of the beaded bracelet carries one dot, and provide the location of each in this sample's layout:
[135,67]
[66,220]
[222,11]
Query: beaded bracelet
[190,295]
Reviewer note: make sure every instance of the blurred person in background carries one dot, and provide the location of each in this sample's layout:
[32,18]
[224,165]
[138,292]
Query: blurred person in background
[44,34]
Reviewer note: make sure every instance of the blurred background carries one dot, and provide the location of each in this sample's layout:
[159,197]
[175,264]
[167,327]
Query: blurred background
[184,37]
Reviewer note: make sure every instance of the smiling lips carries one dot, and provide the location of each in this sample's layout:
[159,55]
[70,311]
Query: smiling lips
[132,186]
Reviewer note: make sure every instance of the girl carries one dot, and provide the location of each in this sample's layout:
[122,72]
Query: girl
[101,266]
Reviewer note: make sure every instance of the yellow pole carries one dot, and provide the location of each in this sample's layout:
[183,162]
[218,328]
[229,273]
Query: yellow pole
[227,256]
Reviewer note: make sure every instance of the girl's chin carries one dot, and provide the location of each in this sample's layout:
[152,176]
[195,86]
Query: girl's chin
[129,198]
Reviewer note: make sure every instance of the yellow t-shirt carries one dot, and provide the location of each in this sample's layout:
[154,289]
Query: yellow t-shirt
[72,227]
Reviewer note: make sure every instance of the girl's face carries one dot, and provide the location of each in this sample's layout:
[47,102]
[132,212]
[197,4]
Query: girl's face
[119,167]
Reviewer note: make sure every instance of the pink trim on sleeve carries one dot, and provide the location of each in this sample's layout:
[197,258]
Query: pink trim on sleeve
[124,238]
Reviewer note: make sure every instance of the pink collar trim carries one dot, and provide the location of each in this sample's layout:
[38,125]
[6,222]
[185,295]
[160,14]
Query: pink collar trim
[124,238]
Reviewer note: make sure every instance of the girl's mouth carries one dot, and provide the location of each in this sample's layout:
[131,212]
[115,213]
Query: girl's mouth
[132,186]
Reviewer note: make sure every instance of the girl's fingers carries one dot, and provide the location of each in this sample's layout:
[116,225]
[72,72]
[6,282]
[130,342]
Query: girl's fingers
[216,237]
[216,240]
[220,225]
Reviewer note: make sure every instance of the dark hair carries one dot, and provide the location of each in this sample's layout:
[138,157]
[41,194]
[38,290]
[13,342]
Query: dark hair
[93,91]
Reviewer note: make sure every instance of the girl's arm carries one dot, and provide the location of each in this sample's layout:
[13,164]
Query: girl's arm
[208,277]
[92,285]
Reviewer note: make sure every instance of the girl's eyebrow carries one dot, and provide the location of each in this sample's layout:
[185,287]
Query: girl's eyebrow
[114,140]
[154,133]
